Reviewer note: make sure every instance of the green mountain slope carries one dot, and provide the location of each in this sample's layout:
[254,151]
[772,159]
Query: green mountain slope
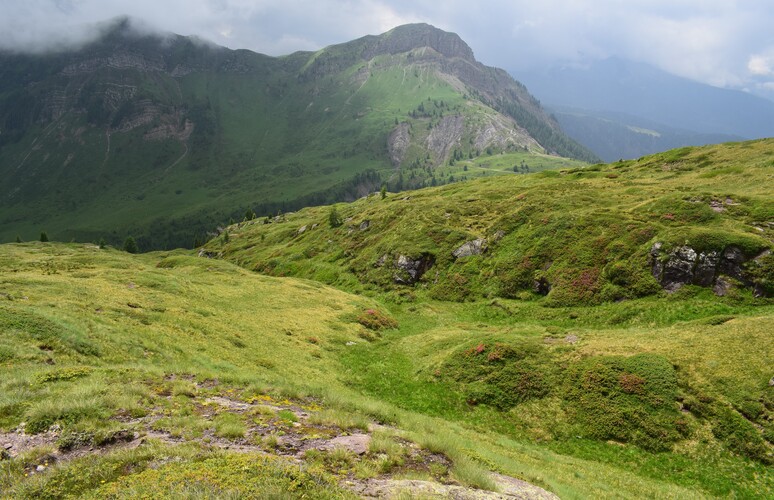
[692,216]
[164,136]
[644,371]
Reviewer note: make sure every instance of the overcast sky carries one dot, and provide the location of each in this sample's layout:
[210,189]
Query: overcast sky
[721,42]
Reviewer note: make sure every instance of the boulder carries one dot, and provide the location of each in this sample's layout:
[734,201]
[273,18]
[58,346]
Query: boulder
[721,287]
[210,254]
[475,247]
[731,263]
[678,270]
[356,443]
[498,235]
[706,267]
[717,269]
[411,269]
[365,225]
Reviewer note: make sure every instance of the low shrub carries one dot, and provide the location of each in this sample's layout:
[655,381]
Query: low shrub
[625,399]
[374,319]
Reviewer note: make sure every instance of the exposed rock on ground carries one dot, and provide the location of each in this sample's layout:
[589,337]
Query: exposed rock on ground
[398,143]
[295,434]
[411,269]
[475,247]
[509,488]
[712,268]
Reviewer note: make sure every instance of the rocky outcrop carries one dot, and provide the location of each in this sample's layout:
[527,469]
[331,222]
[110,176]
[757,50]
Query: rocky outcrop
[412,36]
[475,247]
[398,143]
[712,268]
[501,132]
[411,269]
[445,136]
[210,254]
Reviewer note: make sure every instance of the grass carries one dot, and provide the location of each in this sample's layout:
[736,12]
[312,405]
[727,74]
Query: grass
[659,395]
[577,235]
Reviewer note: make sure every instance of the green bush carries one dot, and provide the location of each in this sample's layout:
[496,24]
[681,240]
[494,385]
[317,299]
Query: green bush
[502,375]
[740,435]
[625,399]
[63,374]
[376,320]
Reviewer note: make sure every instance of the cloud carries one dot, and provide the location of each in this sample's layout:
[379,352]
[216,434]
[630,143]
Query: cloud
[714,41]
[761,65]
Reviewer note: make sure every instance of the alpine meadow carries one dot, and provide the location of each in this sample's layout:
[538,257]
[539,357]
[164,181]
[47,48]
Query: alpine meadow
[375,270]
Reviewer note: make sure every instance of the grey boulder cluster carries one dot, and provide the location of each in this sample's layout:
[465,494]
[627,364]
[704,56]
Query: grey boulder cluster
[717,269]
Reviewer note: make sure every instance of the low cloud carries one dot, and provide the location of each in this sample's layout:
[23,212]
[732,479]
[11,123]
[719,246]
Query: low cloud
[714,41]
[760,65]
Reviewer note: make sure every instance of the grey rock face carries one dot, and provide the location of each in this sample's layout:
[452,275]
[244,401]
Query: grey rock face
[475,247]
[678,270]
[716,269]
[445,136]
[398,143]
[706,267]
[731,265]
[411,269]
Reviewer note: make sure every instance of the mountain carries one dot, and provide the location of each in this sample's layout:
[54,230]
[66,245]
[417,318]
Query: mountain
[685,112]
[614,136]
[163,136]
[596,331]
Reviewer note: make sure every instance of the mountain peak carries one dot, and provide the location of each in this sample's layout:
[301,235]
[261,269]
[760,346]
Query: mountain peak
[413,36]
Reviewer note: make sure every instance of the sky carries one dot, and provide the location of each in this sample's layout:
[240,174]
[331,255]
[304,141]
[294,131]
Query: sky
[727,43]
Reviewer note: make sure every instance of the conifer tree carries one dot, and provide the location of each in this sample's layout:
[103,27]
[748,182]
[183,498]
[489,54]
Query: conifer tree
[43,236]
[130,245]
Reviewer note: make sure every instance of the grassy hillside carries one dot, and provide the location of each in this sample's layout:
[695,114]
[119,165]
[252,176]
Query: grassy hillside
[190,356]
[579,236]
[197,373]
[166,137]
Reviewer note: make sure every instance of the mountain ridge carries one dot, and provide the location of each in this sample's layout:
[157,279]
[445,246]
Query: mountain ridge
[638,89]
[187,134]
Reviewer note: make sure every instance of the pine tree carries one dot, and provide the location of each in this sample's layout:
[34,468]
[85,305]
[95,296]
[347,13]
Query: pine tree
[102,243]
[18,239]
[383,191]
[43,237]
[334,219]
[130,245]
